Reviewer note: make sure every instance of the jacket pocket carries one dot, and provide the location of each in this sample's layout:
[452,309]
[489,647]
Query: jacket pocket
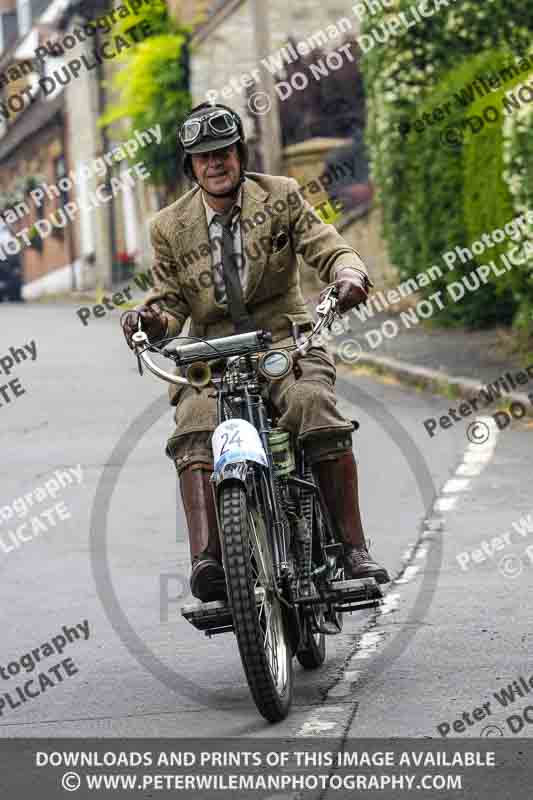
[280,259]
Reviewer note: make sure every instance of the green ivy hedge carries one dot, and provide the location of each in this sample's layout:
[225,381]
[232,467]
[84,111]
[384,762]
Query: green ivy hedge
[489,203]
[455,194]
[518,174]
[151,88]
[434,196]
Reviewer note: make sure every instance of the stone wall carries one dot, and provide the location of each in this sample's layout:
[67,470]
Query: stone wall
[363,233]
[189,11]
[224,47]
[305,162]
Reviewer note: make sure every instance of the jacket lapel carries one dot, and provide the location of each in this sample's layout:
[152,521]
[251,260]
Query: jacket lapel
[192,232]
[193,239]
[253,243]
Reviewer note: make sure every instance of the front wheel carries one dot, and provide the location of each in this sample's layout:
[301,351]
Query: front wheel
[258,618]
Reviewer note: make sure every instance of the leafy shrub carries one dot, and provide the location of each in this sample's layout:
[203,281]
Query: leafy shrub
[465,195]
[152,89]
[518,175]
[430,193]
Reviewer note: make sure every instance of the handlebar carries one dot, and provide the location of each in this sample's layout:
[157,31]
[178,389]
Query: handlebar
[237,344]
[225,346]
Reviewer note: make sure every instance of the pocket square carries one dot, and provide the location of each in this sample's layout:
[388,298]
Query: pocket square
[279,241]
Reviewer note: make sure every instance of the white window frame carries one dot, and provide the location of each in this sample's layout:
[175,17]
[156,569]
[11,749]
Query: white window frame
[24,16]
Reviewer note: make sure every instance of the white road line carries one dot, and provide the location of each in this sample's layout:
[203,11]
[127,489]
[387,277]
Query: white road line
[445,504]
[390,603]
[316,724]
[475,460]
[352,675]
[455,485]
[471,469]
[408,575]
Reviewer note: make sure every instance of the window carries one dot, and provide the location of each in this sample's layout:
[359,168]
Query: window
[60,171]
[8,29]
[24,16]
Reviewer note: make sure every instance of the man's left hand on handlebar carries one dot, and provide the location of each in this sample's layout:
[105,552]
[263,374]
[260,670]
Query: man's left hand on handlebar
[352,287]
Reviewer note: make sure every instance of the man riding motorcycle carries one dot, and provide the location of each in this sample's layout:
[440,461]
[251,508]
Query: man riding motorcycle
[226,256]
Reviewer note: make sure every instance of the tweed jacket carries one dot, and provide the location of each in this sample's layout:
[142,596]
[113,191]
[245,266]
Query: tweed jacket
[278,226]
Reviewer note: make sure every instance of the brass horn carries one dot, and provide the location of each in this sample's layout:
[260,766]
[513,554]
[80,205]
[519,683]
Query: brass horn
[199,374]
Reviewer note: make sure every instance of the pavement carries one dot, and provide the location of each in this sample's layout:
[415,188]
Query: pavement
[451,361]
[474,354]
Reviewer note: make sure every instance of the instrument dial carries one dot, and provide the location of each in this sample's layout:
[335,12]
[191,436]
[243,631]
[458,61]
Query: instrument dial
[275,364]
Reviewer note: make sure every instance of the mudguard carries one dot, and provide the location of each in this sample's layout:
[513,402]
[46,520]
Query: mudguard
[235,443]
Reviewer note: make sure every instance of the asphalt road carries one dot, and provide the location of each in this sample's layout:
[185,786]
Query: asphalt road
[449,637]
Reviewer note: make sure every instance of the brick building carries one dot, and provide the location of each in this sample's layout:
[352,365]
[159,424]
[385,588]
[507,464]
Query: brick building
[46,135]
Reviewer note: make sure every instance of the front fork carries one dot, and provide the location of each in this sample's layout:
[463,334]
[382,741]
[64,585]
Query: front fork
[261,484]
[258,482]
[263,481]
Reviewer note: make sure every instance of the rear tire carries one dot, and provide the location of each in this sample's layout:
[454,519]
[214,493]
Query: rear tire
[260,628]
[314,654]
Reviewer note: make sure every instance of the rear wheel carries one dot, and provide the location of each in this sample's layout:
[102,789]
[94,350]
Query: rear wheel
[258,616]
[314,654]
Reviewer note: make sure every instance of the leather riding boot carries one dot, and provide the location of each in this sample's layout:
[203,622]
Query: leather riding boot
[207,575]
[337,480]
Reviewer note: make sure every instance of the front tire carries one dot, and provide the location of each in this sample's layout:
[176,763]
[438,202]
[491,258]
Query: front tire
[258,618]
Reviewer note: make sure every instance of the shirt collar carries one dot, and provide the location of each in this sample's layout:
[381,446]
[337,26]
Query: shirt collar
[210,212]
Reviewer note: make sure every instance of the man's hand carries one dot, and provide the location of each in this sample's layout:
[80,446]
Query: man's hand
[153,322]
[352,286]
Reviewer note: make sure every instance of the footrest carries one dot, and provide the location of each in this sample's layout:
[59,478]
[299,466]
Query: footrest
[206,616]
[347,595]
[215,616]
[358,590]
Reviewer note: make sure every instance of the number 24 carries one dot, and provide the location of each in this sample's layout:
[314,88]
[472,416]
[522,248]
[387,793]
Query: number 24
[227,440]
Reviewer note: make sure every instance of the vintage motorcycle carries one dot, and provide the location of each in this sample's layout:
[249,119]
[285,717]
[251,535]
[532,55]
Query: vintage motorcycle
[284,576]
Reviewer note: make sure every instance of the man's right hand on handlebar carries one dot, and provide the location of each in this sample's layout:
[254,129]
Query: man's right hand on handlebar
[153,321]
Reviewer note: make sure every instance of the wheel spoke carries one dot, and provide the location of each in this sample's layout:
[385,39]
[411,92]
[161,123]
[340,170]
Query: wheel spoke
[267,627]
[258,618]
[268,611]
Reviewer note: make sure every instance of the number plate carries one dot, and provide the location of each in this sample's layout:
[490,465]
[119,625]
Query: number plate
[237,440]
